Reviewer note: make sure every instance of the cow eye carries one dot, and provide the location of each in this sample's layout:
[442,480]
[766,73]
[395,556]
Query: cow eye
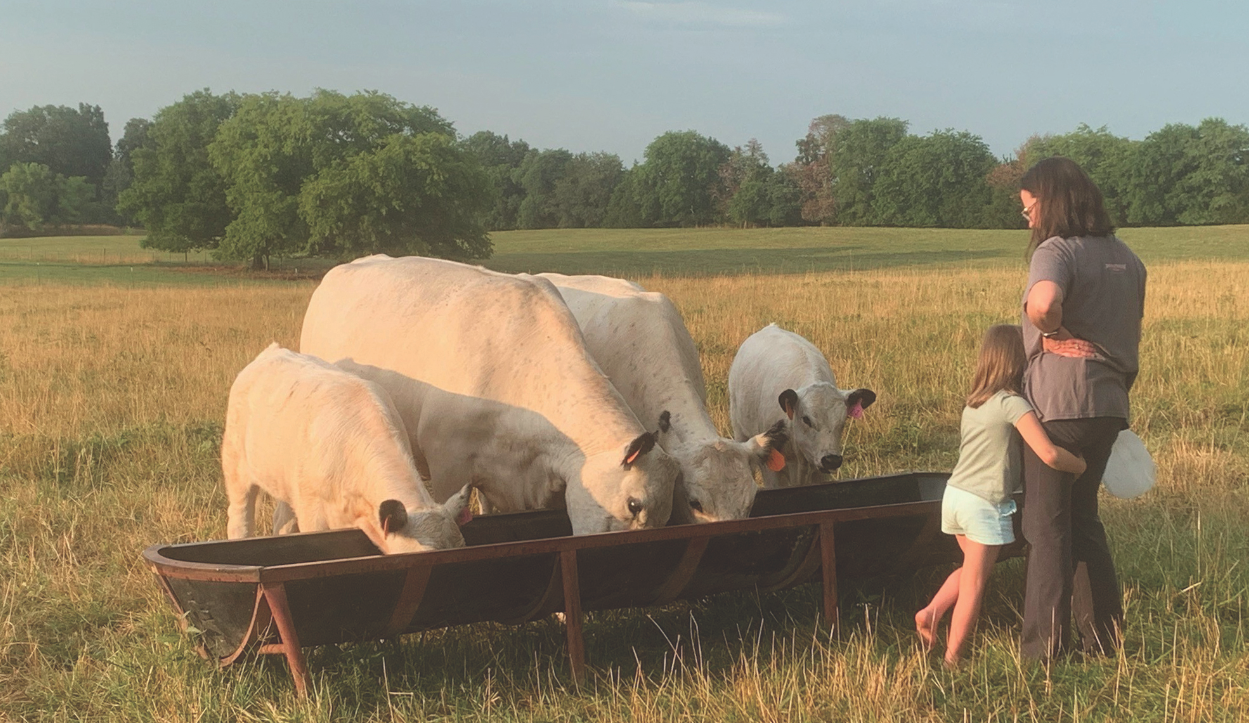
[635,506]
[807,421]
[696,505]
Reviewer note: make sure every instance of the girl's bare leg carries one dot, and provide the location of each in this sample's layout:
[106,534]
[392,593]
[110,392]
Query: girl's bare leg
[927,620]
[978,562]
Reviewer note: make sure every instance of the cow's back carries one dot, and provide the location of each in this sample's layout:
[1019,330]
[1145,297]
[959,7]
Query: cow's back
[639,340]
[465,330]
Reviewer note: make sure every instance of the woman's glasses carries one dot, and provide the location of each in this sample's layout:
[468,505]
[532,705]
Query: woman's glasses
[1027,212]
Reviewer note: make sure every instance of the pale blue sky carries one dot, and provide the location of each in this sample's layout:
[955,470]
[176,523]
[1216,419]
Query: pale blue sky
[610,75]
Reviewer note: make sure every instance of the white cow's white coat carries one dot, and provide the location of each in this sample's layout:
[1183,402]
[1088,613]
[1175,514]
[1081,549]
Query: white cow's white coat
[500,391]
[774,365]
[641,343]
[332,447]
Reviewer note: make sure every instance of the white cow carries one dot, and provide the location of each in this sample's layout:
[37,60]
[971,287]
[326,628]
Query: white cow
[332,447]
[774,366]
[640,341]
[521,410]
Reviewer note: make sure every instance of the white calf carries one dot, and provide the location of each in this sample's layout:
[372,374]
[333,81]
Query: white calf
[774,366]
[332,447]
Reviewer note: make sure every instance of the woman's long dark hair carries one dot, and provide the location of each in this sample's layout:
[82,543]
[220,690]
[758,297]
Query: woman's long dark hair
[1070,204]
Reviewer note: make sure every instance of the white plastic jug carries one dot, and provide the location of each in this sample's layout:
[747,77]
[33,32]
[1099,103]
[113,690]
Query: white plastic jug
[1130,472]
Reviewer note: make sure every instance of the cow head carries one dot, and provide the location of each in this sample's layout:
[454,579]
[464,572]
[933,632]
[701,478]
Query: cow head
[422,529]
[624,489]
[817,415]
[717,480]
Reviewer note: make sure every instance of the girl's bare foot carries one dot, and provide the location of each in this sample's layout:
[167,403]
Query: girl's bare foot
[953,663]
[926,626]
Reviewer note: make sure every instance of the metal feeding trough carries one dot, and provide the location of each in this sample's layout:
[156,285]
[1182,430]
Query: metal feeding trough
[280,594]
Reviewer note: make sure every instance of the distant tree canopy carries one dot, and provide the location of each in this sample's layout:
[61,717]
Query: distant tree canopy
[255,175]
[176,193]
[34,196]
[70,143]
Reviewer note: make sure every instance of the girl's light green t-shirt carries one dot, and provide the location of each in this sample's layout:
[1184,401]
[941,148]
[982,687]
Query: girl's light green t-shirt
[990,462]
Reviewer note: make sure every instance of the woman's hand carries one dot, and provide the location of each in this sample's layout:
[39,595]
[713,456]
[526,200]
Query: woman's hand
[1081,464]
[1067,345]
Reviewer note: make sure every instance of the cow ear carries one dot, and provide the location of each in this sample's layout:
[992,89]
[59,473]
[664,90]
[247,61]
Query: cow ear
[458,507]
[776,436]
[392,515]
[789,402]
[637,448]
[862,397]
[665,421]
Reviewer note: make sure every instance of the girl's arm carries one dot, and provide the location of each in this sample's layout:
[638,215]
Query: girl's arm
[1034,435]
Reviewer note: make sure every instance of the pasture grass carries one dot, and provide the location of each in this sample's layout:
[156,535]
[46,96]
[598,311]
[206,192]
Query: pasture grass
[635,252]
[111,405]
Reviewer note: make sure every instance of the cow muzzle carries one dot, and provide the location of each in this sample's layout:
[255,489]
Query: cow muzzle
[830,462]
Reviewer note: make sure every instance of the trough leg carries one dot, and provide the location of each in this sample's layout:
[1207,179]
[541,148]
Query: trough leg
[828,571]
[572,614]
[275,593]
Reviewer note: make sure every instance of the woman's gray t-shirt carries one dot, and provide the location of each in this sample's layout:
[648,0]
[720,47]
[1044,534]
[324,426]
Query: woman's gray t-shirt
[1103,285]
[989,459]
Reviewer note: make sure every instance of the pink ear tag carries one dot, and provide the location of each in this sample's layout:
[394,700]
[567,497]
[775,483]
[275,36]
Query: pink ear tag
[465,517]
[856,412]
[776,461]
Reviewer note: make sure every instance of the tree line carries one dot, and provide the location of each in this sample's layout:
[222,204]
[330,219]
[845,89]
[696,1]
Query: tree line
[253,175]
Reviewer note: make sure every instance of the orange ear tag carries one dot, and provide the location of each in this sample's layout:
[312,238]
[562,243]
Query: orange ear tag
[776,461]
[630,459]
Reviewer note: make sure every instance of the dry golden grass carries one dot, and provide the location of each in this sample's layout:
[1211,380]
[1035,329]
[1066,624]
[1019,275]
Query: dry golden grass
[111,404]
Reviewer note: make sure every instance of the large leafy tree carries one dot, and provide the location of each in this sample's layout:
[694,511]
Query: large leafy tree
[347,175]
[537,175]
[934,180]
[389,176]
[35,196]
[500,158]
[263,153]
[176,193]
[679,181]
[1191,175]
[625,209]
[860,151]
[585,190]
[745,183]
[810,171]
[784,199]
[69,141]
[30,193]
[120,173]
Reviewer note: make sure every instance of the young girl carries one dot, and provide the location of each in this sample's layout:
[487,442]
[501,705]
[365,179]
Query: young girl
[977,505]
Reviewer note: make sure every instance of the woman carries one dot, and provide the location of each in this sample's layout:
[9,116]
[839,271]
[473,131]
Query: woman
[1082,327]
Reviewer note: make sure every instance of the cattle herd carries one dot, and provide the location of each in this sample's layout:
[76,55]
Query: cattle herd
[419,380]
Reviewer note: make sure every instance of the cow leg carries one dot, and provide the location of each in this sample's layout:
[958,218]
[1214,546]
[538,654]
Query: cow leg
[241,515]
[284,521]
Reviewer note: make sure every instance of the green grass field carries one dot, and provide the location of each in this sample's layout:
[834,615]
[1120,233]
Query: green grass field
[113,386]
[640,252]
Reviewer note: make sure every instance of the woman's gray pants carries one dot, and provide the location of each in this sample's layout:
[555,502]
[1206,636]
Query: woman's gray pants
[1070,571]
